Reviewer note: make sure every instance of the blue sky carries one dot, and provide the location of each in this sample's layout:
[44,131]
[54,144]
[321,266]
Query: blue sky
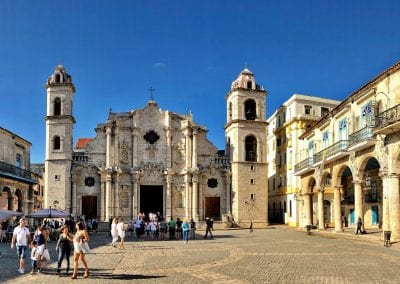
[189,51]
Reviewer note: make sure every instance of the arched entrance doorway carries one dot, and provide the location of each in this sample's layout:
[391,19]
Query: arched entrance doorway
[314,201]
[372,191]
[347,202]
[6,199]
[18,201]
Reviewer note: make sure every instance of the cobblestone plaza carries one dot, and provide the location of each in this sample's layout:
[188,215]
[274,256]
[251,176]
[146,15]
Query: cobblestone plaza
[274,255]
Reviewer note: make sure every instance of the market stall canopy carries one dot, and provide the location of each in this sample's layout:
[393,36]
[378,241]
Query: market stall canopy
[48,213]
[7,214]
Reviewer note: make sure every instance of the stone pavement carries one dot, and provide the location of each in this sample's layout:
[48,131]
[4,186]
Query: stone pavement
[275,255]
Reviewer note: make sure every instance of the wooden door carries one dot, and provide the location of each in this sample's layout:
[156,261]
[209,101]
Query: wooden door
[89,206]
[212,208]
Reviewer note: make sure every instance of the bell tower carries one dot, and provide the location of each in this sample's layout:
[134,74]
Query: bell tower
[246,142]
[59,128]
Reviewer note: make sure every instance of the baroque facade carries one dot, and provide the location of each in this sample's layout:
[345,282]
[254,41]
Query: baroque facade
[350,164]
[285,125]
[151,160]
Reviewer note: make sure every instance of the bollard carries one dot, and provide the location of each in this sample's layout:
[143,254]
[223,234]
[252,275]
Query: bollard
[386,238]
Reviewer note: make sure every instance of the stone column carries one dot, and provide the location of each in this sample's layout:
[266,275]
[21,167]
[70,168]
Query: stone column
[307,208]
[116,154]
[108,149]
[194,148]
[187,149]
[102,200]
[228,192]
[358,201]
[321,219]
[337,207]
[135,181]
[74,198]
[116,196]
[168,197]
[385,202]
[108,197]
[394,205]
[187,195]
[195,200]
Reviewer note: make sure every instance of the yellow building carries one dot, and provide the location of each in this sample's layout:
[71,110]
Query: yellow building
[350,160]
[287,123]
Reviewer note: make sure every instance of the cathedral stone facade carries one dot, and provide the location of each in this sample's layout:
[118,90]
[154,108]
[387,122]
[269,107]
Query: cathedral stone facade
[154,160]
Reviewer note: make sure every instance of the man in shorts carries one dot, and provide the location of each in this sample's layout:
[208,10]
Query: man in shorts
[21,237]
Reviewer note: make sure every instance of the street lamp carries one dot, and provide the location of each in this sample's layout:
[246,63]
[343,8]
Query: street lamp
[368,182]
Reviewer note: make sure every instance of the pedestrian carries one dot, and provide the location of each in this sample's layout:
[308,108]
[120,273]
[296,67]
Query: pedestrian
[63,248]
[359,226]
[163,229]
[185,230]
[34,256]
[178,229]
[209,226]
[81,236]
[251,227]
[95,224]
[192,229]
[171,228]
[40,237]
[114,232]
[121,233]
[21,238]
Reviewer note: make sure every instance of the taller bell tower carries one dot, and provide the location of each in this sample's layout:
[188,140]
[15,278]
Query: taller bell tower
[246,140]
[59,128]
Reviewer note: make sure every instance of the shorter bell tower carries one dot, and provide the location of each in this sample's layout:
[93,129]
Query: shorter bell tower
[246,140]
[59,128]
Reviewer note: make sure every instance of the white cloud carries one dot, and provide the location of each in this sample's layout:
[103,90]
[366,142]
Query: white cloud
[159,65]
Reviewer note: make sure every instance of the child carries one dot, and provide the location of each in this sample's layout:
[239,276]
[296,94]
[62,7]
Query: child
[34,256]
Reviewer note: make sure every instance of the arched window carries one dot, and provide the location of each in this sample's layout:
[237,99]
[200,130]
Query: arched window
[57,143]
[57,106]
[250,110]
[57,78]
[251,148]
[249,85]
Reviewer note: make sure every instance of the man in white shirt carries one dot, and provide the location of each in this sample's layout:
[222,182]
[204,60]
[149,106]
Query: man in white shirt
[21,237]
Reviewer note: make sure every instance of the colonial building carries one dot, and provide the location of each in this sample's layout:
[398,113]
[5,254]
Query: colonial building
[350,161]
[17,182]
[153,160]
[285,125]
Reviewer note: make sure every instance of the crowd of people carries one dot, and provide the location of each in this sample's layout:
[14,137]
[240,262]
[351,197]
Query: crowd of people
[71,236]
[154,227]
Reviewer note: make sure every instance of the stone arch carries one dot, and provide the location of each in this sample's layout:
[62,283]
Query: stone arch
[326,180]
[18,201]
[57,106]
[250,109]
[251,148]
[6,199]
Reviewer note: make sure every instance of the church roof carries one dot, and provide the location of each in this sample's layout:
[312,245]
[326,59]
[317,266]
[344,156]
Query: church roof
[82,143]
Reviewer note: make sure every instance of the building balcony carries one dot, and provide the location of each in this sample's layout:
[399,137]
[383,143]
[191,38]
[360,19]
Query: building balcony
[16,173]
[303,167]
[333,152]
[361,139]
[388,121]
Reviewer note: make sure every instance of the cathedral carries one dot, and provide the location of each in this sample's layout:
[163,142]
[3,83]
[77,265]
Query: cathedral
[155,160]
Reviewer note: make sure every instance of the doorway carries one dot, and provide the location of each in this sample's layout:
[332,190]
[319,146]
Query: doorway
[89,206]
[151,199]
[212,208]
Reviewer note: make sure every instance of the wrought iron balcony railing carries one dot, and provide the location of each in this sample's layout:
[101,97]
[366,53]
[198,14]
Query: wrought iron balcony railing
[388,117]
[361,135]
[16,172]
[303,164]
[338,147]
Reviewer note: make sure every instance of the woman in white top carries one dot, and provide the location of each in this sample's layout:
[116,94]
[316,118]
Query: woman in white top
[114,233]
[121,232]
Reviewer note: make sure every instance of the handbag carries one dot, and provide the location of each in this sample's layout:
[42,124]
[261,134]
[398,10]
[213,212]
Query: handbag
[46,255]
[84,246]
